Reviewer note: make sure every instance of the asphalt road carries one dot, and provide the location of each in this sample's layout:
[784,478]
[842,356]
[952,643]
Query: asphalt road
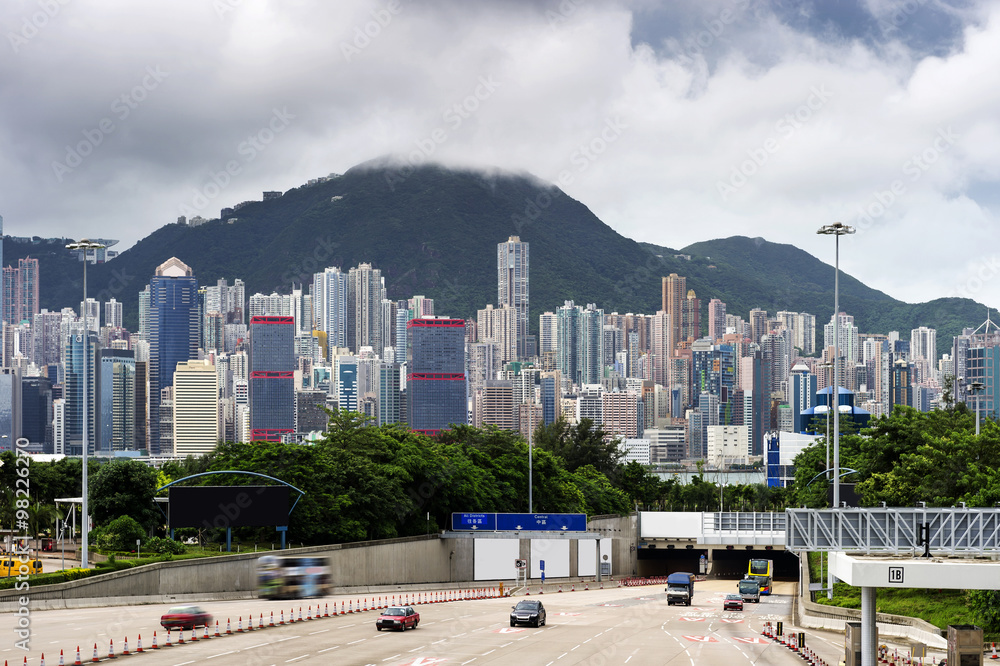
[612,626]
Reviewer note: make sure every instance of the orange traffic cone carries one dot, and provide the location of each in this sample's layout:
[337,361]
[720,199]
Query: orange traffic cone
[77,662]
[125,649]
[96,658]
[138,647]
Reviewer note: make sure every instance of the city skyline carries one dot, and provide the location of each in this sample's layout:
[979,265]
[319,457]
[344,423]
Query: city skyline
[674,122]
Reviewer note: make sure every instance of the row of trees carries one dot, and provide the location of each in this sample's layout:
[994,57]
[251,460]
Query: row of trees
[365,482]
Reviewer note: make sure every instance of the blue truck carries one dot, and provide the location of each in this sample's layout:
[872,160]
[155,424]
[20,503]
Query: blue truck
[680,588]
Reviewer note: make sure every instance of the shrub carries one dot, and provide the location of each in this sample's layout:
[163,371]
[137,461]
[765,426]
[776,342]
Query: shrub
[161,545]
[120,534]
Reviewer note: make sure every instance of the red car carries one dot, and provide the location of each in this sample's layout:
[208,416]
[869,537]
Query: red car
[185,617]
[398,617]
[733,602]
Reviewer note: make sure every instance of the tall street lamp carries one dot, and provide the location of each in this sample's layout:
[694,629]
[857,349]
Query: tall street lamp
[837,229]
[85,244]
[977,388]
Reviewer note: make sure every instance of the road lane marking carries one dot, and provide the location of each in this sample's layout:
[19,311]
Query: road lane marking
[288,661]
[392,657]
[221,654]
[318,632]
[490,652]
[330,648]
[357,641]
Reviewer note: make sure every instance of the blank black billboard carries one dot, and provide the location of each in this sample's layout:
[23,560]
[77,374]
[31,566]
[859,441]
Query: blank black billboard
[228,506]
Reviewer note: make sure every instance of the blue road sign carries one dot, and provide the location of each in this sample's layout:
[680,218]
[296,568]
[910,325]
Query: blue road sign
[486,522]
[542,522]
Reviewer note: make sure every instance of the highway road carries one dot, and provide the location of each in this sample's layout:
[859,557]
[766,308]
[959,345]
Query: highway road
[629,625]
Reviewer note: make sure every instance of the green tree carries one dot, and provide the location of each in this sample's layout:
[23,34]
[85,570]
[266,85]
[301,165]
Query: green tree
[581,444]
[986,606]
[124,488]
[119,534]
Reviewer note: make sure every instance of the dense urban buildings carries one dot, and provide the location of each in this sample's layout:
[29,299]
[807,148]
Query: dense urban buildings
[692,381]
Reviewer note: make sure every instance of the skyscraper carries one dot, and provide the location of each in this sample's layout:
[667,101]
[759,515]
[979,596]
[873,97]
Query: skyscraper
[673,297]
[512,285]
[173,334]
[329,298]
[500,326]
[716,319]
[196,423]
[113,313]
[435,382]
[272,383]
[20,300]
[365,292]
[116,401]
[690,317]
[79,357]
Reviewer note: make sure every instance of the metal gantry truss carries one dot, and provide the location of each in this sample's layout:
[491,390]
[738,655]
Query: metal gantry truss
[897,531]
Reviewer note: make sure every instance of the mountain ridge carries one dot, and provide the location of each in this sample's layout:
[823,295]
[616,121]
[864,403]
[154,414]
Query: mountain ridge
[434,231]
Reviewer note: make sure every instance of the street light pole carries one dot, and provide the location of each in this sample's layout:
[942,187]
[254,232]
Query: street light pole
[85,245]
[837,229]
[977,387]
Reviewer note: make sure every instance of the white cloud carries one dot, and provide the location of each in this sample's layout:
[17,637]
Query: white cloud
[641,133]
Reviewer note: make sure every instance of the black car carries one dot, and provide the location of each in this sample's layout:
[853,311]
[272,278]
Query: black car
[528,612]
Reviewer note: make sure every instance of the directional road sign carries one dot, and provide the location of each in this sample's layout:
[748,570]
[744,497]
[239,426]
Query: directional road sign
[474,521]
[542,522]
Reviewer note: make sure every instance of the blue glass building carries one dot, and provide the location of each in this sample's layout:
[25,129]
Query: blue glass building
[272,382]
[173,334]
[435,381]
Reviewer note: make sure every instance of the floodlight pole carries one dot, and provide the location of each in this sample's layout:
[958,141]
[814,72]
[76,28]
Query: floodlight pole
[836,230]
[85,245]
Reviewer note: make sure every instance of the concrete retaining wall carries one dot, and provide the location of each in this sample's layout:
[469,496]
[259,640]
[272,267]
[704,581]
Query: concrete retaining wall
[355,567]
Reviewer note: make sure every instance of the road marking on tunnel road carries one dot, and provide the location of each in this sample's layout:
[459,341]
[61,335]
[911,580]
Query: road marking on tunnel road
[288,661]
[691,619]
[392,657]
[702,639]
[508,630]
[730,620]
[753,640]
[357,641]
[318,632]
[221,654]
[330,648]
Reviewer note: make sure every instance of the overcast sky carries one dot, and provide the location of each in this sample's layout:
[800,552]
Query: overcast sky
[674,121]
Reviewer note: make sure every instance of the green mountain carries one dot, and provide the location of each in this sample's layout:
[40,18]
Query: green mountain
[434,231]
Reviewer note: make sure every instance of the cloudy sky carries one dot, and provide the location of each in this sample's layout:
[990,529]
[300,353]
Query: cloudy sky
[674,121]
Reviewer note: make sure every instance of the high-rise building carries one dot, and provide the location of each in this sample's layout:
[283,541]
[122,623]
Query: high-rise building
[716,319]
[673,297]
[329,298]
[495,405]
[365,292]
[900,384]
[272,377]
[79,357]
[548,329]
[591,345]
[10,407]
[435,382]
[20,300]
[620,414]
[512,286]
[36,412]
[390,395]
[173,335]
[758,324]
[196,419]
[116,401]
[690,317]
[113,313]
[345,376]
[848,339]
[550,396]
[662,347]
[499,326]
